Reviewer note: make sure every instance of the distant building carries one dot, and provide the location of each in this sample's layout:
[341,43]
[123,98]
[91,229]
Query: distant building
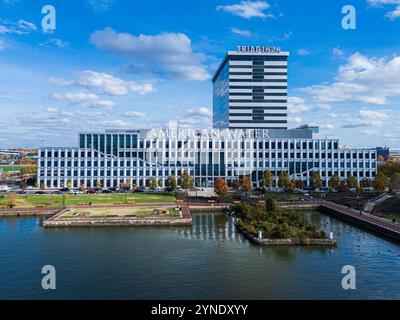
[394,154]
[383,152]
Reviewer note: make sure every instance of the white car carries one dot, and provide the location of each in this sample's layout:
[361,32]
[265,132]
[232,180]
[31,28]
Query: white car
[76,192]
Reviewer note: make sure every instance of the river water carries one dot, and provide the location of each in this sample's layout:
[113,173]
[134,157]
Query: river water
[209,260]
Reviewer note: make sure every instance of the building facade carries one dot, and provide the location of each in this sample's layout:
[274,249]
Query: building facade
[114,157]
[250,89]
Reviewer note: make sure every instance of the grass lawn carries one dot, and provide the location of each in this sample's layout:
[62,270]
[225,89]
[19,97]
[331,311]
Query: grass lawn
[11,168]
[84,199]
[139,212]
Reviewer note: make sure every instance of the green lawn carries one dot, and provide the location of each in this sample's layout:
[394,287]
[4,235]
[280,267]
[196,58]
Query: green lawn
[11,168]
[117,198]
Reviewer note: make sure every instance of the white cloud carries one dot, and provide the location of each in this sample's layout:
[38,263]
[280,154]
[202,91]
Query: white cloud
[361,79]
[58,43]
[385,3]
[111,85]
[327,126]
[365,118]
[26,25]
[61,82]
[101,5]
[195,118]
[394,14]
[337,51]
[303,52]
[84,99]
[167,53]
[51,110]
[115,123]
[135,114]
[294,120]
[247,9]
[245,33]
[105,83]
[21,27]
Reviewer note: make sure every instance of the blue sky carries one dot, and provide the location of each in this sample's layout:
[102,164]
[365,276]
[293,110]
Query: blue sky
[139,64]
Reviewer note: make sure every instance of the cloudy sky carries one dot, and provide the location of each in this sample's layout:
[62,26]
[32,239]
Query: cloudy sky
[139,64]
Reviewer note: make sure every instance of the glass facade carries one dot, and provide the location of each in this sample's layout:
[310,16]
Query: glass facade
[250,91]
[206,154]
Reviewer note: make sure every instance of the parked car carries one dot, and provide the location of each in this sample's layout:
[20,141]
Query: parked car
[64,189]
[40,192]
[91,191]
[75,192]
[142,189]
[106,191]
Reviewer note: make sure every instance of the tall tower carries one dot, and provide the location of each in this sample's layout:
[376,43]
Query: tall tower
[250,89]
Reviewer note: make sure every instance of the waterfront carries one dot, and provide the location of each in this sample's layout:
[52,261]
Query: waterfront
[208,260]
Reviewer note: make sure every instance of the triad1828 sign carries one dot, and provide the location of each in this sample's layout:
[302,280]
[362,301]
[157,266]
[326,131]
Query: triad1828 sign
[259,49]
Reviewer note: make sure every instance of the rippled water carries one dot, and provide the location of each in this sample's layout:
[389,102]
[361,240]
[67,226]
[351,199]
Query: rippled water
[209,260]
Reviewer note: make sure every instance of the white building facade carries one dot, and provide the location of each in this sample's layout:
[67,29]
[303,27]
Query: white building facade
[250,89]
[114,157]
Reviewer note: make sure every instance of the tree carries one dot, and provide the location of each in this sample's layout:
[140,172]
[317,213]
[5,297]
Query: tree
[343,186]
[334,182]
[171,182]
[291,186]
[315,180]
[69,184]
[284,180]
[246,184]
[153,183]
[129,181]
[299,184]
[381,182]
[99,184]
[12,200]
[268,179]
[220,187]
[160,182]
[395,181]
[186,180]
[352,182]
[366,183]
[236,184]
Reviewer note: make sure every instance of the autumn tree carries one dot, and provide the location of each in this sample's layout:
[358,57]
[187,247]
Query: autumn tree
[299,184]
[315,180]
[352,182]
[284,180]
[220,187]
[236,184]
[12,200]
[268,179]
[381,182]
[246,184]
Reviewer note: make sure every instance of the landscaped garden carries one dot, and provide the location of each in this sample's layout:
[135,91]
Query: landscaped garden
[274,222]
[54,200]
[121,212]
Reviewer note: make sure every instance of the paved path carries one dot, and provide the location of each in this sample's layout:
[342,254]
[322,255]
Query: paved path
[366,217]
